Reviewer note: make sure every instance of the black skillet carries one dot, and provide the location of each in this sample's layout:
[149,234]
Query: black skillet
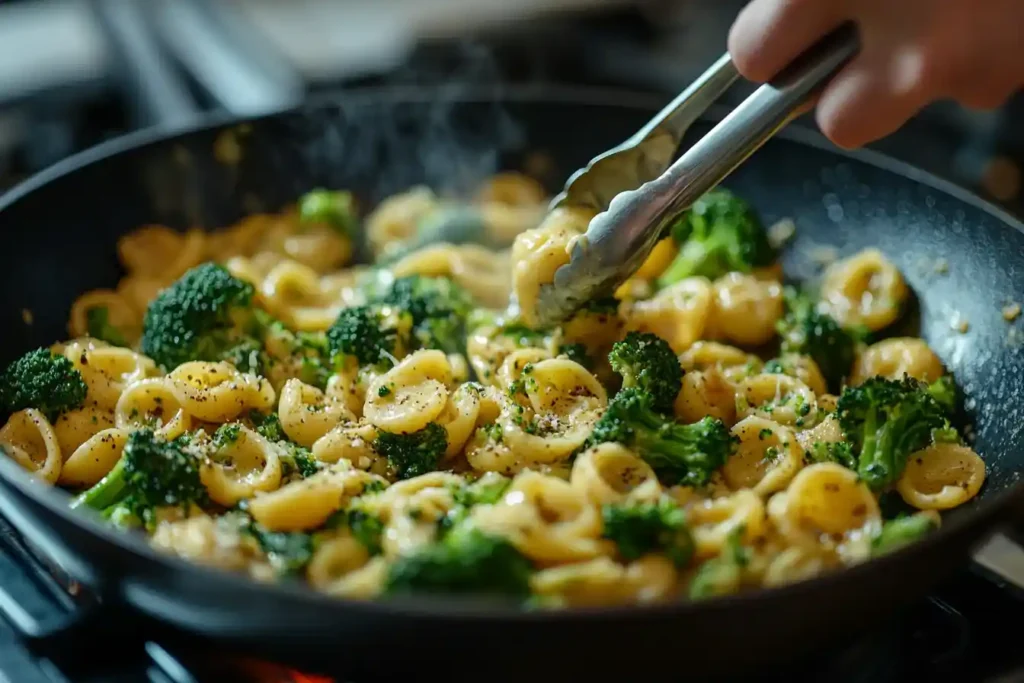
[59,231]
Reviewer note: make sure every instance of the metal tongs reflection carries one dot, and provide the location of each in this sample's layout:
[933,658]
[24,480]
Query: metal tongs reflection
[638,190]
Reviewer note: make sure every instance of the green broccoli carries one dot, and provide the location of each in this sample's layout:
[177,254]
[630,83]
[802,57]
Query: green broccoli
[487,490]
[885,421]
[807,331]
[371,334]
[295,459]
[641,528]
[411,455]
[287,551]
[98,326]
[439,309]
[840,452]
[722,575]
[944,391]
[150,474]
[720,233]
[43,380]
[465,561]
[577,353]
[332,208]
[206,315]
[647,363]
[902,531]
[679,453]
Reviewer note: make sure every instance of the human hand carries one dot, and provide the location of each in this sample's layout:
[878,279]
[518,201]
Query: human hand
[913,52]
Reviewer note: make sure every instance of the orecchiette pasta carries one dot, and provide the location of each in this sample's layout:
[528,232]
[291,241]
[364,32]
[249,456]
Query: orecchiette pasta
[434,439]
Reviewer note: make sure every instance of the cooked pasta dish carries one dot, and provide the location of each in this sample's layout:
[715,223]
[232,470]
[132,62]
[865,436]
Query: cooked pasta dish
[252,400]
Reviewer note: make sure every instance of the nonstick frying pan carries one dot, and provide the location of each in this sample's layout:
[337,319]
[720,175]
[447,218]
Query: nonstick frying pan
[60,228]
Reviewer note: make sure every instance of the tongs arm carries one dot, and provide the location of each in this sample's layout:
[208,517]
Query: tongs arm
[619,239]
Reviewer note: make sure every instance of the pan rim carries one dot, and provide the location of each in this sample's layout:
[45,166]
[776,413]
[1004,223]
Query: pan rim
[449,607]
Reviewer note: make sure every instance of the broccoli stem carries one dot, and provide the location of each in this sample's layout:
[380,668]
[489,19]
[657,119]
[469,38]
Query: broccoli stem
[104,493]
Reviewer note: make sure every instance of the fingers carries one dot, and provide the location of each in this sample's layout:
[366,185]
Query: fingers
[769,34]
[873,96]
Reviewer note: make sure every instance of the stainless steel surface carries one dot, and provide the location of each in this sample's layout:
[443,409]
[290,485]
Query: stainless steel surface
[647,154]
[1004,558]
[619,239]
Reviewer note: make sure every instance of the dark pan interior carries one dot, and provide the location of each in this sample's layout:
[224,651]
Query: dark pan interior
[60,231]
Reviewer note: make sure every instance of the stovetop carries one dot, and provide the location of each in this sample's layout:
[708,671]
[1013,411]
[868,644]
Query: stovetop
[963,631]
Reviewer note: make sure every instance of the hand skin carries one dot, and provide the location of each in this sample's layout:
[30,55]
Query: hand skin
[913,52]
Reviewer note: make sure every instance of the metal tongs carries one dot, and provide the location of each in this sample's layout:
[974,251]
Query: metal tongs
[638,190]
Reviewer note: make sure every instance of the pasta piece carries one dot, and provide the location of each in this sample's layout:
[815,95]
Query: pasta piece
[780,398]
[538,253]
[291,292]
[734,364]
[395,219]
[217,392]
[91,461]
[713,520]
[107,370]
[611,473]
[896,358]
[864,289]
[242,467]
[941,477]
[307,414]
[28,438]
[795,564]
[459,418]
[826,508]
[706,393]
[75,427]
[363,583]
[563,388]
[601,581]
[411,395]
[307,503]
[512,367]
[766,459]
[319,247]
[204,541]
[547,519]
[804,369]
[826,431]
[353,444]
[334,559]
[746,309]
[679,314]
[152,403]
[510,188]
[121,314]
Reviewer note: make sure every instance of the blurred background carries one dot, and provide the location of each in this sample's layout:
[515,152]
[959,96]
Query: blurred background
[76,72]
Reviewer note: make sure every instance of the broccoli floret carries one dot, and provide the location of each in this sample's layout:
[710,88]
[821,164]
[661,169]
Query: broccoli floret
[295,459]
[943,390]
[333,208]
[578,354]
[840,452]
[97,323]
[647,363]
[371,334]
[487,490]
[465,561]
[206,315]
[411,455]
[287,551]
[151,473]
[439,310]
[679,453]
[43,380]
[722,575]
[641,528]
[720,233]
[902,531]
[807,331]
[366,527]
[886,421]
